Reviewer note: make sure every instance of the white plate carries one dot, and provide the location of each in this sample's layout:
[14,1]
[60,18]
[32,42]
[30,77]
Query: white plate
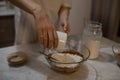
[105,70]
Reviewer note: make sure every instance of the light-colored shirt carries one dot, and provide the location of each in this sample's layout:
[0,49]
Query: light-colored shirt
[26,29]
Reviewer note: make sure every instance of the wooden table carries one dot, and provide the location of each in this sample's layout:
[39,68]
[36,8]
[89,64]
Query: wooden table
[37,68]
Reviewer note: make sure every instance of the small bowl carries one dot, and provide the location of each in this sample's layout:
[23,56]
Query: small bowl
[68,67]
[116,51]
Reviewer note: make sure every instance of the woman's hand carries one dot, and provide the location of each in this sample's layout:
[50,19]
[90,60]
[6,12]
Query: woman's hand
[63,20]
[64,25]
[46,30]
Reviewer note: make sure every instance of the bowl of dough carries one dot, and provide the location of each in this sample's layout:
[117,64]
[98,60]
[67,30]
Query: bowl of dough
[69,60]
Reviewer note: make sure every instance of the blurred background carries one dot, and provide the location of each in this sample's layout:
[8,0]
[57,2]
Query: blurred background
[105,11]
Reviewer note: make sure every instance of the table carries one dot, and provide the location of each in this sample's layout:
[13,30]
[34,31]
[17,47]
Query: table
[37,68]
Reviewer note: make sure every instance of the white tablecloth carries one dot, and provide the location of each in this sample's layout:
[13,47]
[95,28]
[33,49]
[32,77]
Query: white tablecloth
[37,68]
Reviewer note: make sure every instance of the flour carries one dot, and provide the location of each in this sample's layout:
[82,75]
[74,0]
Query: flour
[93,46]
[67,58]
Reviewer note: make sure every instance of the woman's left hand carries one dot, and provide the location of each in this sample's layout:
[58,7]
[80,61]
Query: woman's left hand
[64,26]
[63,20]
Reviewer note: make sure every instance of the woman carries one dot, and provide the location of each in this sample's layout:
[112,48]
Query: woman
[40,19]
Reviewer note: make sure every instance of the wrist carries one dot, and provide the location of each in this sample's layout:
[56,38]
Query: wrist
[40,14]
[37,11]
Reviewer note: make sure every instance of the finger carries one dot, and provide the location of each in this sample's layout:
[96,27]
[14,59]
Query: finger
[45,38]
[51,39]
[67,28]
[55,39]
[64,27]
[40,36]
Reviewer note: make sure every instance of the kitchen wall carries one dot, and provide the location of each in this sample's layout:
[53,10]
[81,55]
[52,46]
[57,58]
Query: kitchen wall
[108,13]
[80,11]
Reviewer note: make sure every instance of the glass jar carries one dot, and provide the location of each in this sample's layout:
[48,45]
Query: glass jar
[91,38]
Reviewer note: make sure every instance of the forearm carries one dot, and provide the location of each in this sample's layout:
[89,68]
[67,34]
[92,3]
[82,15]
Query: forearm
[64,13]
[63,19]
[46,30]
[29,6]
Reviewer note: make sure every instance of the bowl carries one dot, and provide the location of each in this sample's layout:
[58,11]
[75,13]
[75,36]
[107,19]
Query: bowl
[116,51]
[68,61]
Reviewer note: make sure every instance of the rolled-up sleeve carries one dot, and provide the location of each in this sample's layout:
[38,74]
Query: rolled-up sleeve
[67,3]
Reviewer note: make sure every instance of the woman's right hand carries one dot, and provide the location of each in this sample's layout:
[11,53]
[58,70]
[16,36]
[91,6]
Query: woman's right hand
[46,30]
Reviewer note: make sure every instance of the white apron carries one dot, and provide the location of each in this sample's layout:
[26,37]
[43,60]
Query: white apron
[26,30]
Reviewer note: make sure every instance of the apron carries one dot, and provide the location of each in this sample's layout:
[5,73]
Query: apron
[25,24]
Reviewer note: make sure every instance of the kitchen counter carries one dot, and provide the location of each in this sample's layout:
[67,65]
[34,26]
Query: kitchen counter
[37,68]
